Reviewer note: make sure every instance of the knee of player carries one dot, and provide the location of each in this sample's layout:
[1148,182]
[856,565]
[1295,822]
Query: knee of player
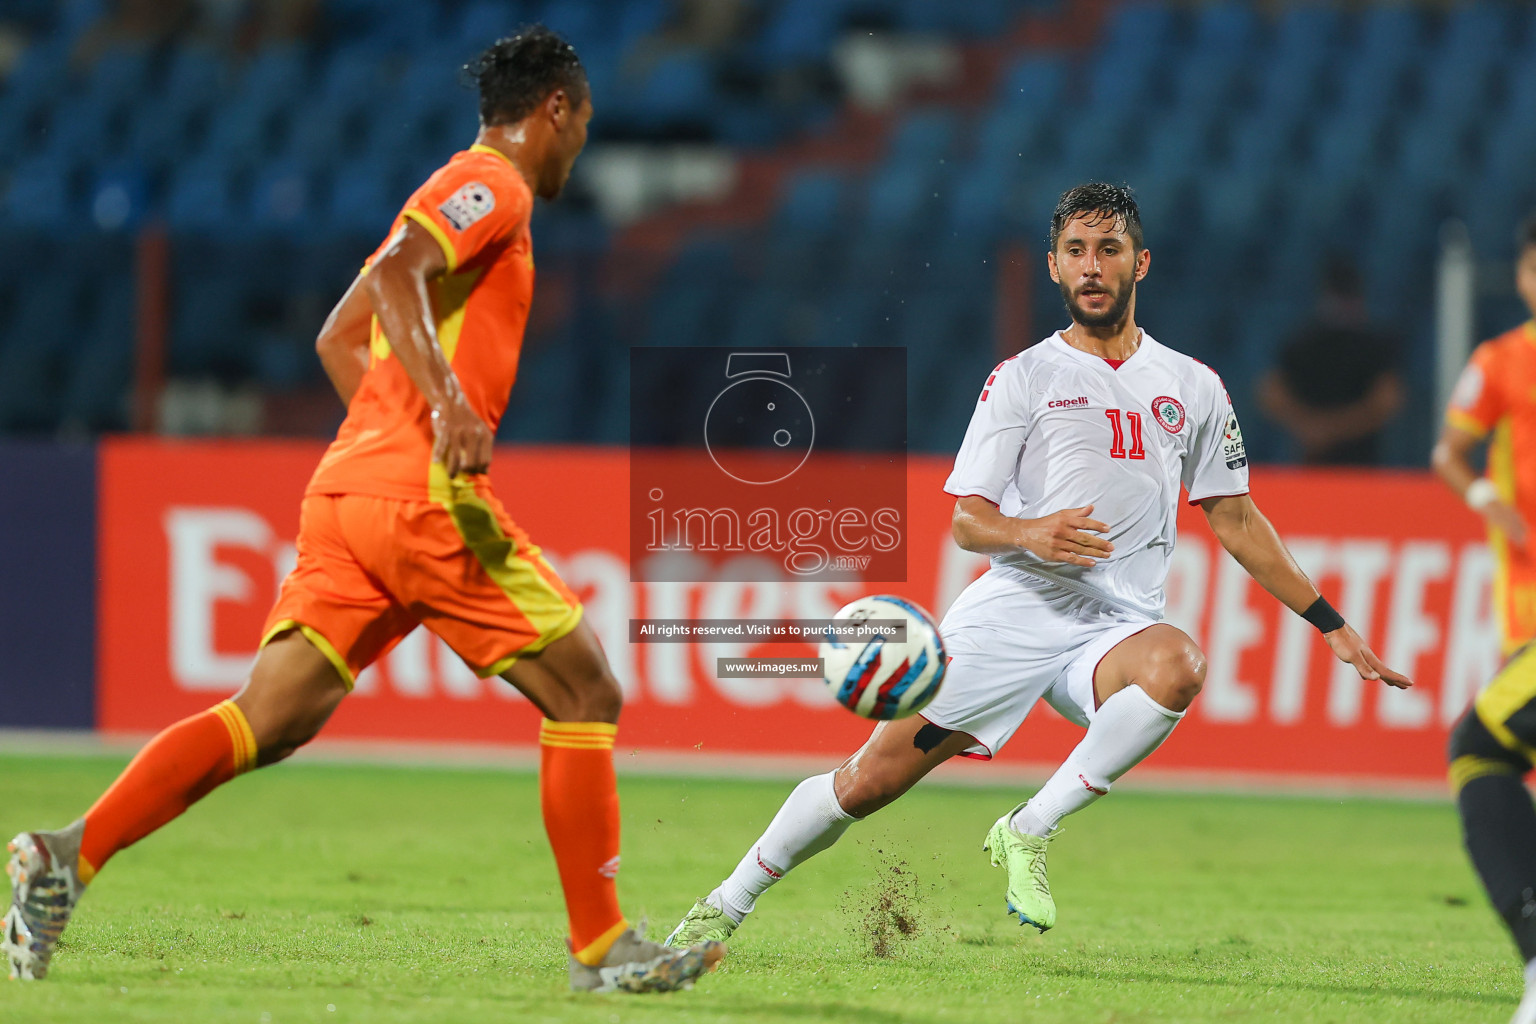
[600,699]
[862,790]
[1176,675]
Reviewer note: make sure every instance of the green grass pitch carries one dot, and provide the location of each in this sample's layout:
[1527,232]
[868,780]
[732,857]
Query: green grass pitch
[324,892]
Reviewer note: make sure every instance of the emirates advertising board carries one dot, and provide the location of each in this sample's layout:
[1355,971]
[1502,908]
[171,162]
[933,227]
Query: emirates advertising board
[194,539]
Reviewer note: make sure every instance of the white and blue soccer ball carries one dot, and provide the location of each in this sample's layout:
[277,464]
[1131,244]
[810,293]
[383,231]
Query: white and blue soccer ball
[884,678]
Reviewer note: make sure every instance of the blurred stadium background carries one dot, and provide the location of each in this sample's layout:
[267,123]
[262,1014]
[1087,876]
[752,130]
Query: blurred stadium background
[189,184]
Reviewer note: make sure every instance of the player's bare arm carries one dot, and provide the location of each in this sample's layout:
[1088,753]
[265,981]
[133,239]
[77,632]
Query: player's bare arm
[1452,460]
[1065,536]
[397,289]
[1250,537]
[343,341]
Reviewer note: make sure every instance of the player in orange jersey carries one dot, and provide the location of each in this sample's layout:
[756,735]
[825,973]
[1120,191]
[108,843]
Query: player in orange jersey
[1493,747]
[399,528]
[1497,396]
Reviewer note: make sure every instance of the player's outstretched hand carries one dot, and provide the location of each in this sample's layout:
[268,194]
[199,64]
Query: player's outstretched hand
[1348,646]
[462,441]
[1066,536]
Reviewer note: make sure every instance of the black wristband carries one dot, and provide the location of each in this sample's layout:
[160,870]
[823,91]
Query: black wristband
[1322,615]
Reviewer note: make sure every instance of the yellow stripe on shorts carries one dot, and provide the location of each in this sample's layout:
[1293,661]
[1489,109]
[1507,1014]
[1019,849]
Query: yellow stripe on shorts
[517,576]
[1469,766]
[1512,689]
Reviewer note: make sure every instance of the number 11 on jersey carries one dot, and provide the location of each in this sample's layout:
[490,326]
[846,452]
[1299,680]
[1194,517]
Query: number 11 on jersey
[1117,446]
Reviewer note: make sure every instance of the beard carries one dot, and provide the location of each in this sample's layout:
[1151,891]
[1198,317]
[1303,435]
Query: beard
[1112,316]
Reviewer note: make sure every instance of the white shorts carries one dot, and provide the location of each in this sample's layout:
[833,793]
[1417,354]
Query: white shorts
[1013,639]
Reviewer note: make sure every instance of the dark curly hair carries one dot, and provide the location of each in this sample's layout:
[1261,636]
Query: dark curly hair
[1114,202]
[515,74]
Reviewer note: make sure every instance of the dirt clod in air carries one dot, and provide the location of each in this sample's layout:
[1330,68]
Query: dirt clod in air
[885,913]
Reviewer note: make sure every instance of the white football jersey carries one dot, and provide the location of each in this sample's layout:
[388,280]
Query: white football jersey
[1058,428]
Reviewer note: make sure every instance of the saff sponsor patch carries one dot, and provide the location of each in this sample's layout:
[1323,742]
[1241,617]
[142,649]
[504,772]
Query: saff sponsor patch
[1232,447]
[1169,413]
[468,205]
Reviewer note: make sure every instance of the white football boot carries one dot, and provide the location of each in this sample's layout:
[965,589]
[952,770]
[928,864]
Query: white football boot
[45,886]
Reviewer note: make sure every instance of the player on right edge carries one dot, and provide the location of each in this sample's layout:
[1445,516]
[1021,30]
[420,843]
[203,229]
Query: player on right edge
[1069,478]
[1494,744]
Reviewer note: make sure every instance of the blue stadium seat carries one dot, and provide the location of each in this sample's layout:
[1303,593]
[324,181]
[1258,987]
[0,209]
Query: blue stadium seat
[926,137]
[1474,31]
[1457,90]
[201,196]
[118,76]
[96,391]
[1262,142]
[1142,25]
[365,195]
[680,315]
[980,202]
[1309,27]
[1034,82]
[243,129]
[1226,28]
[898,196]
[485,21]
[814,201]
[1432,152]
[160,134]
[209,329]
[801,31]
[1390,28]
[42,193]
[277,76]
[196,78]
[680,86]
[283,195]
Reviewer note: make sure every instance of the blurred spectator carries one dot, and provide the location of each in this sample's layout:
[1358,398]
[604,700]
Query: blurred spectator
[1336,384]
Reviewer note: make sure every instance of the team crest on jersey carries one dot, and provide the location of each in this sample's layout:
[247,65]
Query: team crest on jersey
[1169,413]
[1232,447]
[468,205]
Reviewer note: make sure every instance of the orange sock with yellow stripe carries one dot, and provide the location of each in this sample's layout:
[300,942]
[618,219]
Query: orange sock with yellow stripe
[580,796]
[178,768]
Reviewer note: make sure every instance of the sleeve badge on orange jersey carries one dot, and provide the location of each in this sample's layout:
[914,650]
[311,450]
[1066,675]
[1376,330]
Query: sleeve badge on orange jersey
[468,205]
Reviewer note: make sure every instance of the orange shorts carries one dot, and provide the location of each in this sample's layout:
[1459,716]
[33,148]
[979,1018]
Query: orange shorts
[371,569]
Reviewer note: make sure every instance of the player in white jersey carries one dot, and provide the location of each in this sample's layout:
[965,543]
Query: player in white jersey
[1069,478]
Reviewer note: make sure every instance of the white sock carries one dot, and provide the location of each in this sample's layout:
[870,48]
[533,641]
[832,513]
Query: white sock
[810,821]
[1128,727]
[1530,973]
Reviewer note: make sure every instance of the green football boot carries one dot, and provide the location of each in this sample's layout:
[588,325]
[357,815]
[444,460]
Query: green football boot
[704,923]
[1029,894]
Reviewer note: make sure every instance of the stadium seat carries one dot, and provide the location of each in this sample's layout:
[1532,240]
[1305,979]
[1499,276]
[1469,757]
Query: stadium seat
[1033,83]
[283,195]
[813,201]
[42,193]
[925,137]
[485,21]
[95,393]
[1225,28]
[365,194]
[202,196]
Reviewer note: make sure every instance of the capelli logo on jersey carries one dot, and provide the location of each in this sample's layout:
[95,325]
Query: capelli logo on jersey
[1067,403]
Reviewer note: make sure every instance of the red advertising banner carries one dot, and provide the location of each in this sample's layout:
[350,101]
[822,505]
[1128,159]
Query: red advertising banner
[196,537]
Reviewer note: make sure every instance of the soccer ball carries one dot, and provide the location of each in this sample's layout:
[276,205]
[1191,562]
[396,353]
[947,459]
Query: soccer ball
[880,678]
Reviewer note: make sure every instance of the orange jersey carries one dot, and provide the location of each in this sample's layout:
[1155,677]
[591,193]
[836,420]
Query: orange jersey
[1497,395]
[477,208]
